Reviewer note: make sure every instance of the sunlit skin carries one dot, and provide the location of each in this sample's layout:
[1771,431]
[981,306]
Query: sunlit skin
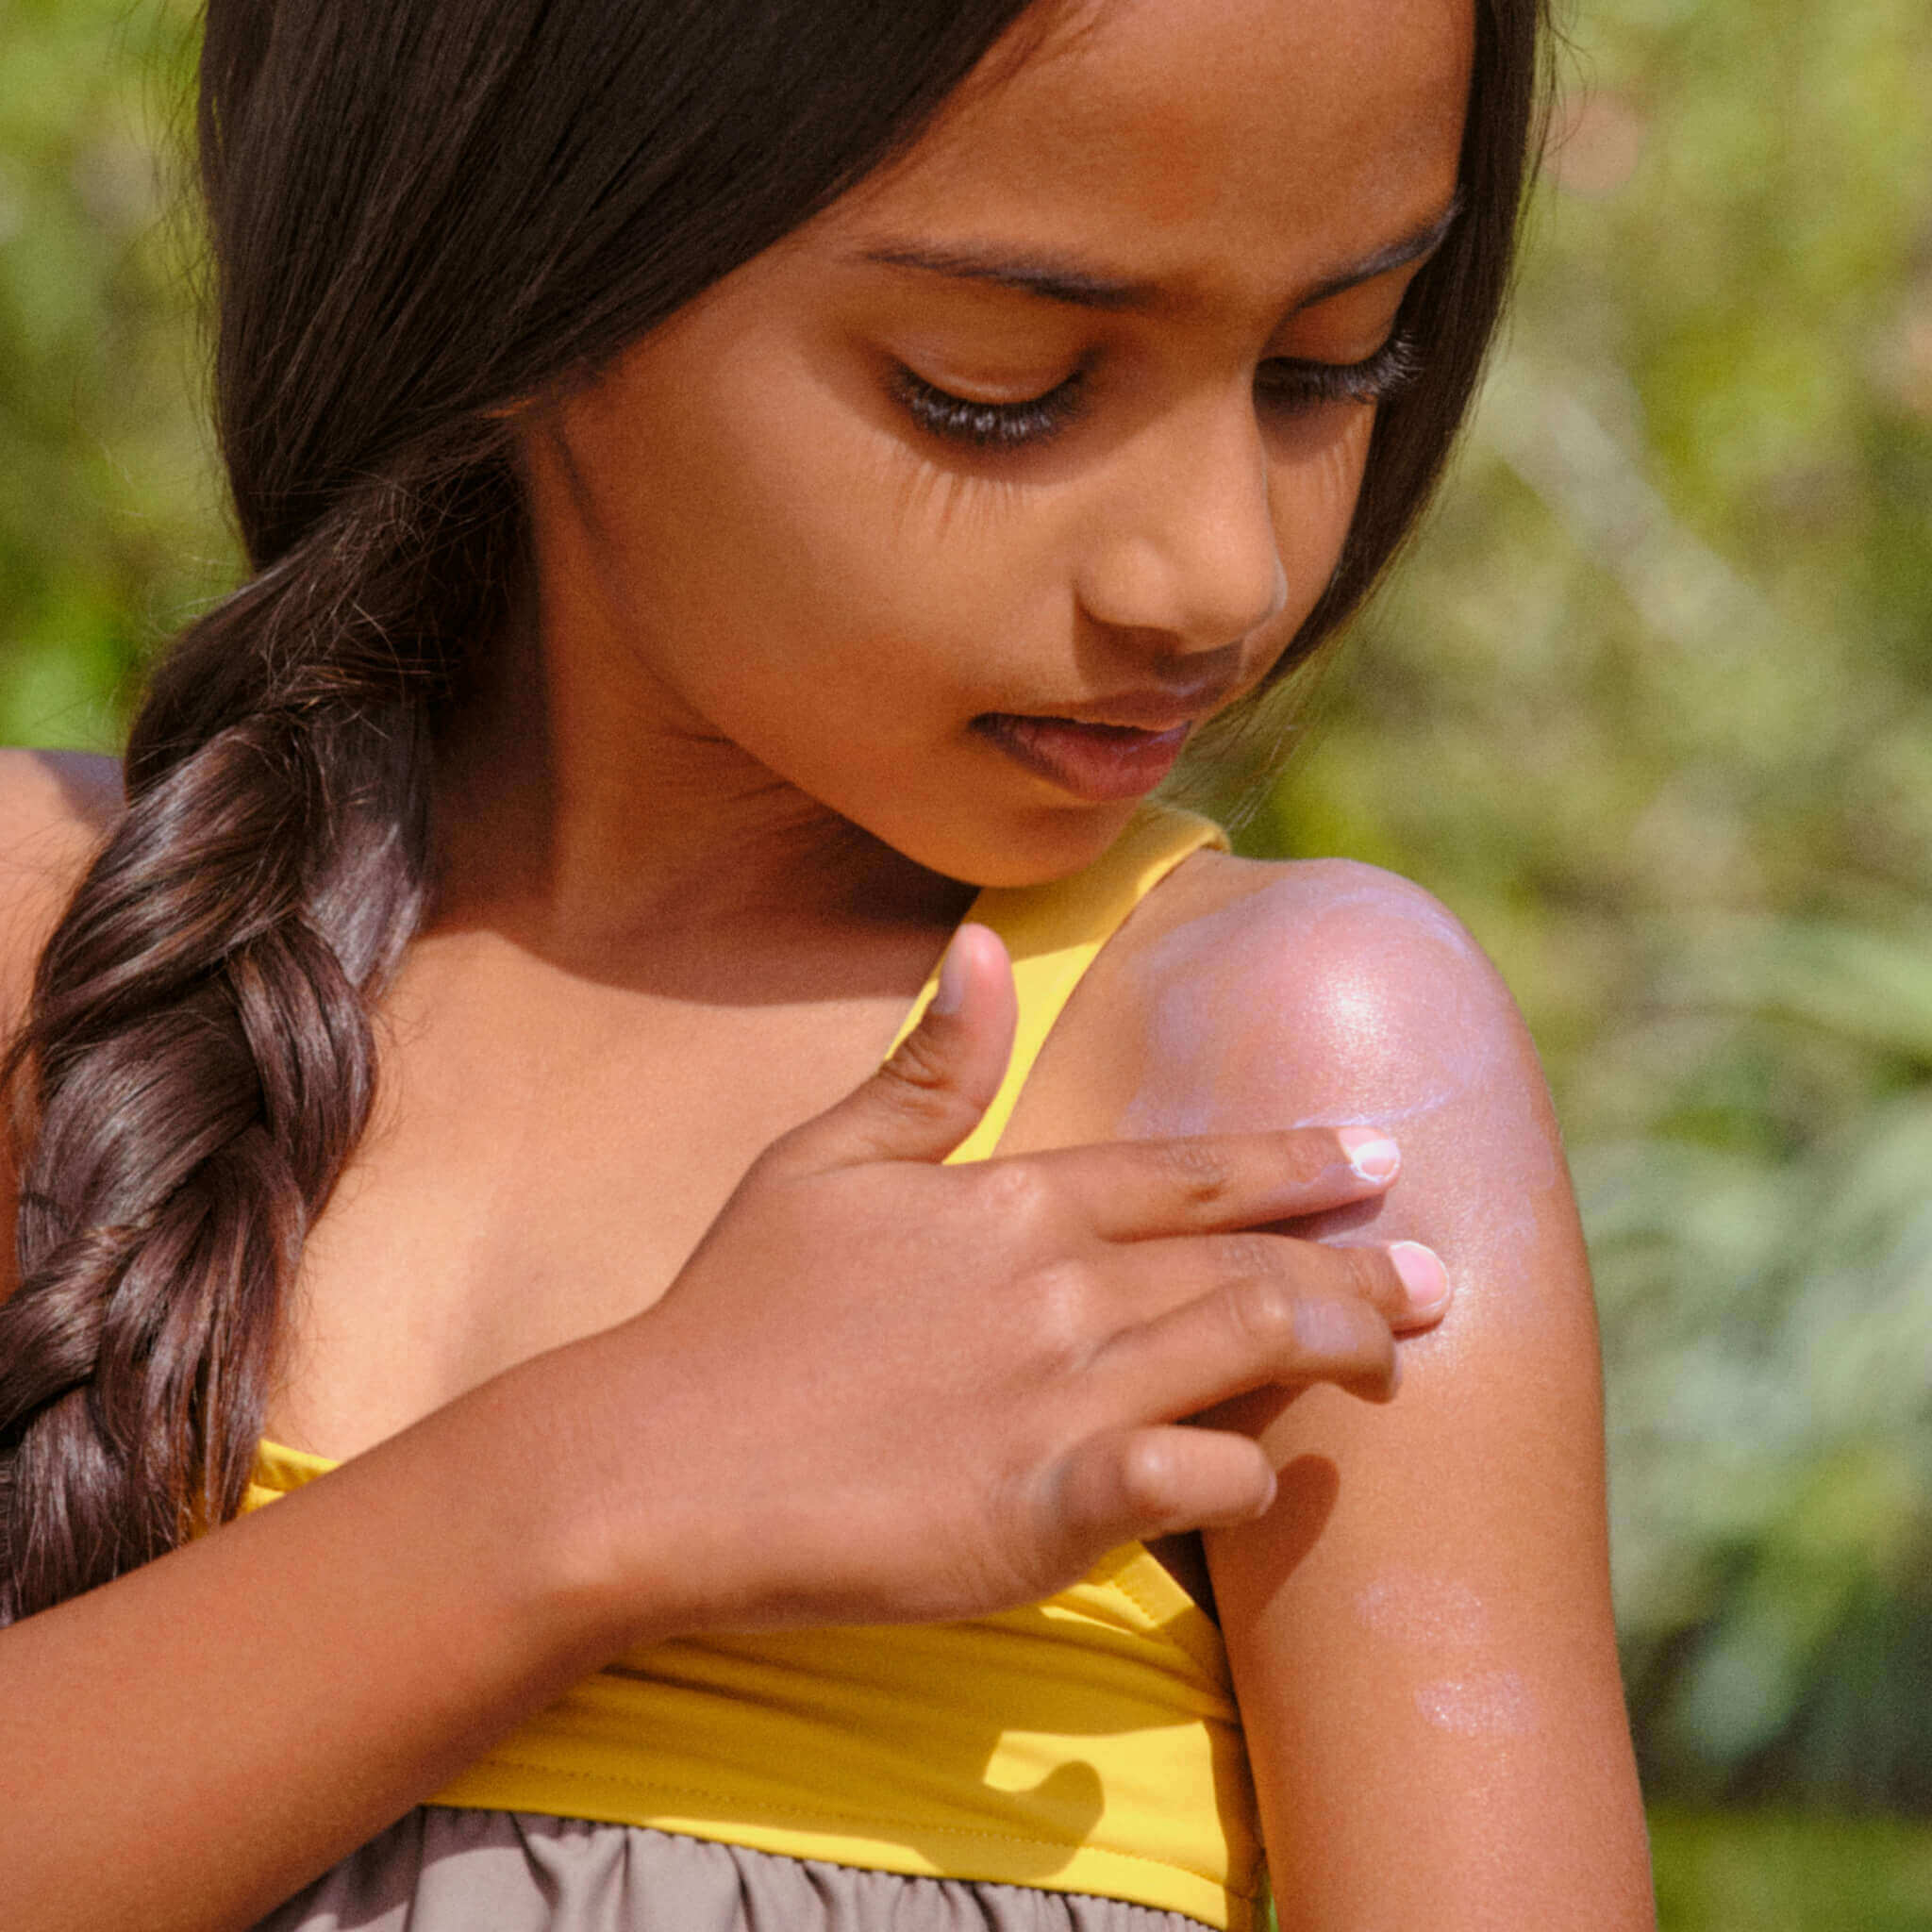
[783,691]
[755,564]
[733,770]
[1426,1610]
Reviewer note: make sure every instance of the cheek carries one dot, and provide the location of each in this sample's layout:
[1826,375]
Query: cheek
[1314,493]
[768,508]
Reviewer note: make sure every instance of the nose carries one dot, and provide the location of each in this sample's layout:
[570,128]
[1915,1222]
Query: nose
[1185,544]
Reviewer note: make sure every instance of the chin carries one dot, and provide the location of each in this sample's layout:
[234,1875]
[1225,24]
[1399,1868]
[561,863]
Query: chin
[1031,847]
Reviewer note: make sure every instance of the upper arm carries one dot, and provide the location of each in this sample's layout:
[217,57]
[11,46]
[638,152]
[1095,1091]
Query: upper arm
[1420,1628]
[53,808]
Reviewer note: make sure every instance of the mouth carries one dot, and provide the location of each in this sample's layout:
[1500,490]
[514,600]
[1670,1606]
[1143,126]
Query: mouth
[1097,762]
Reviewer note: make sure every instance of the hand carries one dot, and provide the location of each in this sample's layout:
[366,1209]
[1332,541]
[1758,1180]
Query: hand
[888,1389]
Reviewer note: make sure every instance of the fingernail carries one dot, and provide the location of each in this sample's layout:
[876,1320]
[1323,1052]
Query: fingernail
[1371,1154]
[950,994]
[1423,1274]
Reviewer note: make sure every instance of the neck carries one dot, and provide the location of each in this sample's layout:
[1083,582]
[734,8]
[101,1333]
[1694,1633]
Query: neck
[595,831]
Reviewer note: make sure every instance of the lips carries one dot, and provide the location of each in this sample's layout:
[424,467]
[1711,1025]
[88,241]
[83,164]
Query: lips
[1097,762]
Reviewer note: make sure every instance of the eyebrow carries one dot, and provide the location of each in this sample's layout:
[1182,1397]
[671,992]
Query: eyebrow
[1064,281]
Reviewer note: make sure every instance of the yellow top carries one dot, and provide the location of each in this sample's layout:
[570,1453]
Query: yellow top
[1089,1743]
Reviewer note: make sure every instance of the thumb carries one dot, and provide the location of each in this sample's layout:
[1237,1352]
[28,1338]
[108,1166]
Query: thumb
[940,1078]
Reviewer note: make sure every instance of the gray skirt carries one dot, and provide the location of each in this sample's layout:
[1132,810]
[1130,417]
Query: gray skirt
[441,1870]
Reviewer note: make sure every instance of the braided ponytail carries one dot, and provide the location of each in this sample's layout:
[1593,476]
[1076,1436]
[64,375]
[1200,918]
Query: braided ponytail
[422,216]
[198,1062]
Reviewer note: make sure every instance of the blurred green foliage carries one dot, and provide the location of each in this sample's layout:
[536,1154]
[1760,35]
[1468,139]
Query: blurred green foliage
[1783,1871]
[111,527]
[1650,706]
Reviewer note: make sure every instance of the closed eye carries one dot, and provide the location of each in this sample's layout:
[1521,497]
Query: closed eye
[989,425]
[1291,386]
[1285,385]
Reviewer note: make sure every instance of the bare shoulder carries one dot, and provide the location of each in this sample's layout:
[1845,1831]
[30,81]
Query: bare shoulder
[1428,1604]
[1250,994]
[55,809]
[1246,995]
[1325,985]
[54,806]
[1332,992]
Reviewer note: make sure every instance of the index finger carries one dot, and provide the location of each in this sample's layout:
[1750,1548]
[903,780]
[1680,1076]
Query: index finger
[1128,1191]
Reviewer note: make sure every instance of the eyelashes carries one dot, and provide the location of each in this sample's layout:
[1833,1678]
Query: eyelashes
[1283,386]
[1294,386]
[989,425]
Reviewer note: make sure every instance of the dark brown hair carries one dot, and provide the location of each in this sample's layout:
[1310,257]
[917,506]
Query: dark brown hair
[423,214]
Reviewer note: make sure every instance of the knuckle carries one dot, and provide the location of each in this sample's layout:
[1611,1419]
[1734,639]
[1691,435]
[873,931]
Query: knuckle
[917,1086]
[1311,1151]
[1246,1252]
[1346,1340]
[1264,1313]
[1150,1478]
[1016,1191]
[1061,1295]
[1197,1169]
[1369,1274]
[919,1064]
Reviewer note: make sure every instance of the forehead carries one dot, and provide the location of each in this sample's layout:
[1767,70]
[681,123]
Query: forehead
[1225,140]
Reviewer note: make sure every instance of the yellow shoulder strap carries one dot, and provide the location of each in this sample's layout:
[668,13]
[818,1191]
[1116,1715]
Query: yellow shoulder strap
[1054,932]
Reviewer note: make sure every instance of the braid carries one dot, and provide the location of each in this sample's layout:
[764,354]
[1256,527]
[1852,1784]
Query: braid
[197,1062]
[421,217]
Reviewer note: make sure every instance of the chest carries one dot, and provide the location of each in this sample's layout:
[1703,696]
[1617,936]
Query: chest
[548,1151]
[543,1158]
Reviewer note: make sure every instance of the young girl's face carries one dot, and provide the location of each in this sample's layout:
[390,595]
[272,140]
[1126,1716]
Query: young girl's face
[956,510]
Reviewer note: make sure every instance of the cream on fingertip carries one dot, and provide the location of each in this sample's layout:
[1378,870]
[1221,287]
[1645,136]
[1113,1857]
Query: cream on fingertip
[1370,1153]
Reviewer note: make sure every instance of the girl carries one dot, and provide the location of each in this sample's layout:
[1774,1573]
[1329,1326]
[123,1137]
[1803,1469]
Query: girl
[725,485]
